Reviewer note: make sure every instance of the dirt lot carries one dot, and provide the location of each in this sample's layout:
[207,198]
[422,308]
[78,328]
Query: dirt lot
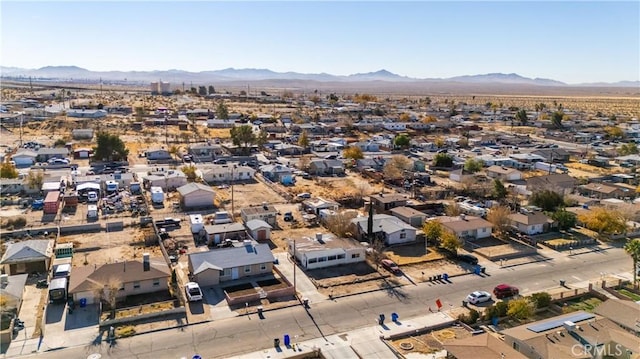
[245,195]
[429,343]
[336,187]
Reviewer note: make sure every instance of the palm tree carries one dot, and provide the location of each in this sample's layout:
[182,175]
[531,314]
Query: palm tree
[633,249]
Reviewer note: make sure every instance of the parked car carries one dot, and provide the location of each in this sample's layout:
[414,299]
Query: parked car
[505,291]
[467,258]
[478,297]
[220,162]
[288,217]
[390,265]
[192,289]
[304,195]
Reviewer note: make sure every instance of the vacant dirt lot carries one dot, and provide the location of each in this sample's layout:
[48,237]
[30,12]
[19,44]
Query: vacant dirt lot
[430,342]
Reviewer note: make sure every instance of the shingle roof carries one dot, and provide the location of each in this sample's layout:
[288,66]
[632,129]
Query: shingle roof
[384,222]
[529,219]
[90,278]
[457,224]
[221,259]
[28,251]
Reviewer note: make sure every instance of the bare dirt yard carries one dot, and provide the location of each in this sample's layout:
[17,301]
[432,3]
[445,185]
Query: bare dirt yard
[430,342]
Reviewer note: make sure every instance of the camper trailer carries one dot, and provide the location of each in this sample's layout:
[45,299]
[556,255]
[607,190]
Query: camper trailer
[92,211]
[157,195]
[58,290]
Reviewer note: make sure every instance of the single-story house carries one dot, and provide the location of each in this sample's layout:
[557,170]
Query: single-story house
[265,212]
[129,277]
[618,312]
[530,223]
[326,250]
[376,163]
[158,155]
[278,173]
[561,183]
[460,175]
[601,191]
[322,167]
[82,134]
[219,233]
[227,173]
[220,123]
[10,186]
[382,203]
[24,157]
[47,153]
[227,264]
[409,215]
[553,155]
[28,256]
[259,229]
[196,195]
[82,113]
[166,180]
[391,230]
[12,289]
[318,204]
[205,152]
[503,173]
[82,153]
[463,226]
[483,345]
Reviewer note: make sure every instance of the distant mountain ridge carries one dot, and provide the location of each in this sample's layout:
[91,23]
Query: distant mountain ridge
[251,74]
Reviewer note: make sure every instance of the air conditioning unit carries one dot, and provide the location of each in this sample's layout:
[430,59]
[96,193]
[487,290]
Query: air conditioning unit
[569,326]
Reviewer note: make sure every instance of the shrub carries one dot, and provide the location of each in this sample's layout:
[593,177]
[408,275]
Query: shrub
[470,318]
[497,310]
[520,308]
[542,299]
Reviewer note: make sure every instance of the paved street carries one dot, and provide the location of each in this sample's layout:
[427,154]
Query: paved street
[244,334]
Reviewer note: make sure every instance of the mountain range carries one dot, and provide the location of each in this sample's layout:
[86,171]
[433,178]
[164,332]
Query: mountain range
[234,75]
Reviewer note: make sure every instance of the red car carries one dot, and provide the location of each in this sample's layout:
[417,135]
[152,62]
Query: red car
[505,291]
[389,265]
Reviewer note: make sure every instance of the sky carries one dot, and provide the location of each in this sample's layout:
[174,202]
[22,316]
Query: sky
[573,42]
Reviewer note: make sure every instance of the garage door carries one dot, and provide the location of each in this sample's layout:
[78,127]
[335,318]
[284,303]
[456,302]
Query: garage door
[262,235]
[89,296]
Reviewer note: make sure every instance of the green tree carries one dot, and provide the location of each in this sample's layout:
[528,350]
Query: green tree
[262,139]
[564,219]
[499,217]
[628,149]
[202,90]
[190,172]
[60,143]
[303,141]
[520,308]
[109,148]
[212,90]
[614,132]
[8,170]
[548,200]
[402,141]
[432,230]
[353,152]
[222,111]
[499,190]
[473,165]
[443,160]
[450,242]
[243,136]
[521,116]
[632,247]
[556,119]
[541,299]
[35,179]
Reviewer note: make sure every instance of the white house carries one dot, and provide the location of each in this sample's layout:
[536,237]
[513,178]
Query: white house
[394,126]
[166,180]
[24,157]
[530,223]
[326,250]
[390,229]
[196,195]
[265,212]
[227,173]
[468,227]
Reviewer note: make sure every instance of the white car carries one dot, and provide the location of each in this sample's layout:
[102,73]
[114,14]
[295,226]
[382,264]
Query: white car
[192,289]
[478,297]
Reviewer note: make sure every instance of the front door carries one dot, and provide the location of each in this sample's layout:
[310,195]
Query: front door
[234,273]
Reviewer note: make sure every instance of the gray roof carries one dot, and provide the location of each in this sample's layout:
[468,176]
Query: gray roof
[15,286]
[254,224]
[221,259]
[224,228]
[53,151]
[384,222]
[26,251]
[193,187]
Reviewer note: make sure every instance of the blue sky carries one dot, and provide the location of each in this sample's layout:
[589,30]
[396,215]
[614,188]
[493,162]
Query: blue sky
[571,41]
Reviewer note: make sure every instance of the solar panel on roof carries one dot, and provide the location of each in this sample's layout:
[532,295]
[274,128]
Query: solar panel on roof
[555,323]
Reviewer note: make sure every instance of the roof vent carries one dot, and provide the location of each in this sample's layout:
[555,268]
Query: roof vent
[569,326]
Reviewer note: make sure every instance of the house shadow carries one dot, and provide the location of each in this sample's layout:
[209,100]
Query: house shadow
[82,317]
[55,312]
[359,269]
[196,307]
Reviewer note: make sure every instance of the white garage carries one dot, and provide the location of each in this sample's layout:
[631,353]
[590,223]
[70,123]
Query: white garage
[196,195]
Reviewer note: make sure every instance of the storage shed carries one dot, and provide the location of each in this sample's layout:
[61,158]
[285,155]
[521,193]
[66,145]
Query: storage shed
[52,203]
[196,195]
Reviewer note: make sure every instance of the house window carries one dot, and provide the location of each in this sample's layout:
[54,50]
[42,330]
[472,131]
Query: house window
[322,259]
[484,230]
[247,269]
[121,287]
[516,346]
[340,256]
[464,233]
[156,282]
[403,235]
[226,272]
[332,258]
[312,260]
[263,266]
[355,255]
[136,285]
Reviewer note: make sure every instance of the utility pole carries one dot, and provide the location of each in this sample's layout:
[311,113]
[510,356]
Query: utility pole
[232,202]
[295,292]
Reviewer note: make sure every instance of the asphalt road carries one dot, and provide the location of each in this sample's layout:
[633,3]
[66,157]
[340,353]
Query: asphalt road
[245,334]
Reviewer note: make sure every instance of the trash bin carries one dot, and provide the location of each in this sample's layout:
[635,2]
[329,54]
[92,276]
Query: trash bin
[276,342]
[464,303]
[381,319]
[196,357]
[305,302]
[477,270]
[287,340]
[394,317]
[445,276]
[83,302]
[483,270]
[260,310]
[562,282]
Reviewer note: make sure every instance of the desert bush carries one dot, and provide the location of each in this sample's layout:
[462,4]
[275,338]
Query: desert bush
[542,299]
[470,318]
[520,308]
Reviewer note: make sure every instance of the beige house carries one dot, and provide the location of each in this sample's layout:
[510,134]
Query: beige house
[503,173]
[265,212]
[468,227]
[480,346]
[409,215]
[226,264]
[530,223]
[131,278]
[28,256]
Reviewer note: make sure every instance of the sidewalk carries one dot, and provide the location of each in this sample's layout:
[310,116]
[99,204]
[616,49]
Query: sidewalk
[304,286]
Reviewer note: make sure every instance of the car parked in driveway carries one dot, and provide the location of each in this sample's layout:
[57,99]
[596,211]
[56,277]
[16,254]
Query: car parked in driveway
[479,296]
[391,266]
[505,291]
[192,289]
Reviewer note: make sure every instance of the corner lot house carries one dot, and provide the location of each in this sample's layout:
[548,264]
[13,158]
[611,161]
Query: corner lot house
[28,257]
[227,264]
[465,226]
[196,195]
[326,250]
[131,278]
